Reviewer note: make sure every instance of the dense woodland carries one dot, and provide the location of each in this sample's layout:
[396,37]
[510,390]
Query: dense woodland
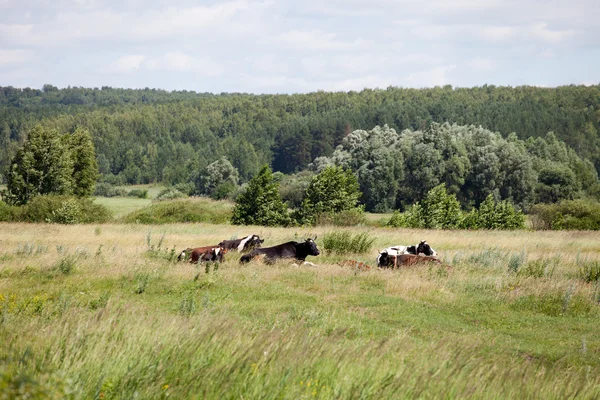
[148,135]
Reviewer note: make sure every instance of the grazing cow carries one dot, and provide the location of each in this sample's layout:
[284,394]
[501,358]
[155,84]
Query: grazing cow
[406,260]
[386,256]
[201,254]
[296,250]
[244,244]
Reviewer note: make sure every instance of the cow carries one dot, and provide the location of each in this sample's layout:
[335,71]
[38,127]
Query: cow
[244,244]
[202,254]
[386,256]
[406,260]
[296,250]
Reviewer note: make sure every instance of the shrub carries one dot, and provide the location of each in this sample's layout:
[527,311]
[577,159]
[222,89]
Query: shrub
[169,194]
[353,217]
[342,242]
[9,213]
[331,191]
[568,214]
[260,204]
[64,209]
[139,193]
[69,213]
[182,210]
[499,215]
[589,271]
[105,189]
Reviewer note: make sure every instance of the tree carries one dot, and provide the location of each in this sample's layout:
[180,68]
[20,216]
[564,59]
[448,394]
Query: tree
[218,179]
[333,190]
[85,167]
[261,204]
[42,166]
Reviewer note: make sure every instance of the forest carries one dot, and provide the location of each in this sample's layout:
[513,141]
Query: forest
[525,144]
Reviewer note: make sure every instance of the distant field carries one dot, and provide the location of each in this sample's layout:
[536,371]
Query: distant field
[102,312]
[120,206]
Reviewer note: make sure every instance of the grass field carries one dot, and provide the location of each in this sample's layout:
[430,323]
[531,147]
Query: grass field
[102,312]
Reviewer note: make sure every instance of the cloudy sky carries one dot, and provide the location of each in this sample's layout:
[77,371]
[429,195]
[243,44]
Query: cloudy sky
[283,46]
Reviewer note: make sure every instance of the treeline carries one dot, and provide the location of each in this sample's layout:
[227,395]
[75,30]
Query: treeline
[148,135]
[396,170]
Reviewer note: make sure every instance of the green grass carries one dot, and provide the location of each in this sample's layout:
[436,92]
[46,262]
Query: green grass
[120,206]
[105,313]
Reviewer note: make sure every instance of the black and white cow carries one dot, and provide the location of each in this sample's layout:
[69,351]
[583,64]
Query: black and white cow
[387,256]
[298,251]
[244,244]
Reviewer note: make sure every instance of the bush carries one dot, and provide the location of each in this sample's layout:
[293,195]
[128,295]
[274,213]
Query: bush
[261,204]
[332,191]
[342,242]
[9,213]
[188,210]
[105,189]
[353,217]
[169,194]
[499,215]
[589,271]
[139,193]
[568,214]
[64,209]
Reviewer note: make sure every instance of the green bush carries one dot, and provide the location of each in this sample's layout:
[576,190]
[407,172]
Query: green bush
[9,213]
[64,209]
[169,194]
[589,271]
[353,217]
[186,210]
[499,215]
[139,193]
[568,214]
[105,189]
[342,242]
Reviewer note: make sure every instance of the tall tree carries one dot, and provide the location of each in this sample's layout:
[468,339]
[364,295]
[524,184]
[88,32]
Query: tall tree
[261,203]
[85,167]
[42,166]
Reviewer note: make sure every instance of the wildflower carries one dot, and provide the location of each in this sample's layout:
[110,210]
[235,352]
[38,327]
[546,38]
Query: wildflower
[165,386]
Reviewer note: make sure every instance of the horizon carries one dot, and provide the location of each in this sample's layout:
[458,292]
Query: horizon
[268,47]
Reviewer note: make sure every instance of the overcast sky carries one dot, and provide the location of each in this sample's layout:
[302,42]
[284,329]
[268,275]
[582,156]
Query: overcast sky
[298,46]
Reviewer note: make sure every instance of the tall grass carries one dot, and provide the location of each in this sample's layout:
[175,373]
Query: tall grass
[344,242]
[127,324]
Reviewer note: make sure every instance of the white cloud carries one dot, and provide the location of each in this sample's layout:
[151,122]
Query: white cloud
[127,64]
[170,62]
[437,76]
[481,64]
[14,57]
[181,62]
[318,40]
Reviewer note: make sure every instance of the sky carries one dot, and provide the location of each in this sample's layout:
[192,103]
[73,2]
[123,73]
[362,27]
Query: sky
[269,46]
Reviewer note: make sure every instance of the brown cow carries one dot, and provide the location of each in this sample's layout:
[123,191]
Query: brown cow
[200,254]
[406,260]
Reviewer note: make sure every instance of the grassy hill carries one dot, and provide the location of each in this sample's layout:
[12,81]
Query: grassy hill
[104,312]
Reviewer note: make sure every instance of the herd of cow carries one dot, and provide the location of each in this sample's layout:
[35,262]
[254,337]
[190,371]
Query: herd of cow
[391,257]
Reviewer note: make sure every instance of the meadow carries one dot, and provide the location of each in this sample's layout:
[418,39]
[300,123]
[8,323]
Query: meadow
[104,312]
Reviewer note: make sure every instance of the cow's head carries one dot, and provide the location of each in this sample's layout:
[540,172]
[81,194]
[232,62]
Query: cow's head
[254,242]
[425,248]
[215,254]
[312,247]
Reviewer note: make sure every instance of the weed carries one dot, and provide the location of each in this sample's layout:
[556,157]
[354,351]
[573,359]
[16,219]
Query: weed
[589,271]
[100,302]
[342,242]
[66,265]
[515,261]
[187,307]
[541,268]
[97,231]
[141,282]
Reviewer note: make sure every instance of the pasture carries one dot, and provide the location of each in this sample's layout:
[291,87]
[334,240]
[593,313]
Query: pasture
[104,312]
